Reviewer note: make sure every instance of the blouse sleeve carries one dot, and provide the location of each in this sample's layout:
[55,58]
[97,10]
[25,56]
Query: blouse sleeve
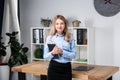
[47,54]
[70,53]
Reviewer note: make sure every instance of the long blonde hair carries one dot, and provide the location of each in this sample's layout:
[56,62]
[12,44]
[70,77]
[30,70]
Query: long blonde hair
[65,31]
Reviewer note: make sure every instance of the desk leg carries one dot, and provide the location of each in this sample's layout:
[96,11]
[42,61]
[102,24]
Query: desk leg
[21,76]
[43,77]
[110,78]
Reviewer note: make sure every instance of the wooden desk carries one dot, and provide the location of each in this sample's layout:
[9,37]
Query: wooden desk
[97,73]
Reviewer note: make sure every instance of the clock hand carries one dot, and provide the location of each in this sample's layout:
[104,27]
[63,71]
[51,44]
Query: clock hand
[108,1]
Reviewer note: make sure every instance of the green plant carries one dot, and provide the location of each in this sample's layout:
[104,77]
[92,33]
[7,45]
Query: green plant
[18,51]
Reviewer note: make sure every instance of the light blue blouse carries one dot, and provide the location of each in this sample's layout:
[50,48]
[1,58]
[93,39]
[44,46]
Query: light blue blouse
[69,51]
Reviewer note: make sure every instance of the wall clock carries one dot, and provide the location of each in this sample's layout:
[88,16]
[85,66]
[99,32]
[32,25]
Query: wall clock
[107,7]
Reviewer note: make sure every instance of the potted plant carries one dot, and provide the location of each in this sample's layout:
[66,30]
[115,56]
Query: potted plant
[18,53]
[2,50]
[46,22]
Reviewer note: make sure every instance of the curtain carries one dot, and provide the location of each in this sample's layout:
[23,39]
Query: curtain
[1,14]
[10,22]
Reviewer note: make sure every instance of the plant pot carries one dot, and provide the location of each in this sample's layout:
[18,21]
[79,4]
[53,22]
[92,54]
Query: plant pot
[47,23]
[4,72]
[76,23]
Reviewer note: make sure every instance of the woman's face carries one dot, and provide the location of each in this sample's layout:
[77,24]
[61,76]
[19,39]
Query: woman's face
[59,26]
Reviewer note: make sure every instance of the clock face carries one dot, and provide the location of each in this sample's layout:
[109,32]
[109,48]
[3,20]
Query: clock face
[107,7]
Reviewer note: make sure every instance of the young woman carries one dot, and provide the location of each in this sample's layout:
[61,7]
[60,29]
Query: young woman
[64,50]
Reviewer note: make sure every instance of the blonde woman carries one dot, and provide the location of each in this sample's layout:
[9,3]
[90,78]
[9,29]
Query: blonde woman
[62,52]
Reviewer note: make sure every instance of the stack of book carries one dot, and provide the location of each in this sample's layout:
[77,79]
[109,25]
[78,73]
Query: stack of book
[81,36]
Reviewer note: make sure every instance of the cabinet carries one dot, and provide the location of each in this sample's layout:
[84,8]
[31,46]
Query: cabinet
[38,37]
[84,42]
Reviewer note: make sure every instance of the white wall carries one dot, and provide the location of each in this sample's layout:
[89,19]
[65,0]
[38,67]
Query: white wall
[32,11]
[107,28]
[107,39]
[117,45]
[104,48]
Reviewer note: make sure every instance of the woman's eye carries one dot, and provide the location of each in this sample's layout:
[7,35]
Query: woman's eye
[62,23]
[57,23]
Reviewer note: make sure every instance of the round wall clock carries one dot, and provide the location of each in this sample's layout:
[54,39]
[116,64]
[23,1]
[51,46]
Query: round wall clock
[107,7]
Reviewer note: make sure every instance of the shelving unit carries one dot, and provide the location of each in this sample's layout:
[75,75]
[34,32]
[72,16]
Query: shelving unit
[38,37]
[37,43]
[84,42]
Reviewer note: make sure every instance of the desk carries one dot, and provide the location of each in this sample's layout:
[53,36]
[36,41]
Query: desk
[97,73]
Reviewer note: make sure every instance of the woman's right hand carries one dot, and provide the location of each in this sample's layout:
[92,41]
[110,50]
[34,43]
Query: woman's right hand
[56,50]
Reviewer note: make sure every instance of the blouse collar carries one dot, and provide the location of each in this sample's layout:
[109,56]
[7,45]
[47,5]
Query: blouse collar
[60,35]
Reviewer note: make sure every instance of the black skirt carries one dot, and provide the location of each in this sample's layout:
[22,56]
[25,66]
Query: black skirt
[59,71]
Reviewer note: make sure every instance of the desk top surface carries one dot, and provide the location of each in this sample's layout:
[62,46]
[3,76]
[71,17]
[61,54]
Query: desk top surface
[97,73]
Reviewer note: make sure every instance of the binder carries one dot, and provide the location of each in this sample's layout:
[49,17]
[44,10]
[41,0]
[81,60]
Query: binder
[41,40]
[79,36]
[35,35]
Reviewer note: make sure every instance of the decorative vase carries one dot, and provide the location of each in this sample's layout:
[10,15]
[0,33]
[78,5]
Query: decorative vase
[38,53]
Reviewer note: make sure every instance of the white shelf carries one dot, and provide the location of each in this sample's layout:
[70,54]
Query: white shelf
[36,59]
[84,51]
[78,62]
[81,45]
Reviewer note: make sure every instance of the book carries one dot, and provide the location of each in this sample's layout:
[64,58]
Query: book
[41,40]
[34,36]
[83,68]
[51,46]
[37,35]
[79,36]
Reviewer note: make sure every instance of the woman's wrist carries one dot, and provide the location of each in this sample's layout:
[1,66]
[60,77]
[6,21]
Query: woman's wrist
[51,52]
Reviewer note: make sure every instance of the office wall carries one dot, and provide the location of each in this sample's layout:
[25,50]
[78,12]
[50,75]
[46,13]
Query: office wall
[106,28]
[32,11]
